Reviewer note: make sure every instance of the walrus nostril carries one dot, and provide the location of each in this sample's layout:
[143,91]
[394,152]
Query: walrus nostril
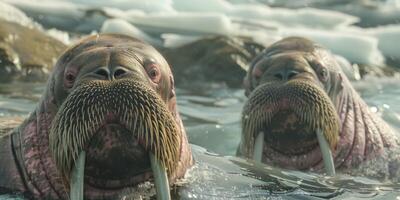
[119,72]
[103,72]
[285,74]
[279,76]
[291,74]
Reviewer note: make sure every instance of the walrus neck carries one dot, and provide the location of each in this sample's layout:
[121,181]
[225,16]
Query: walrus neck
[39,172]
[363,135]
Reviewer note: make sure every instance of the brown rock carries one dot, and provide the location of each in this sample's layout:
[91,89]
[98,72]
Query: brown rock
[216,59]
[26,53]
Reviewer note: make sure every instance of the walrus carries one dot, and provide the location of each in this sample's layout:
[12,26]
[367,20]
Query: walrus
[303,113]
[109,108]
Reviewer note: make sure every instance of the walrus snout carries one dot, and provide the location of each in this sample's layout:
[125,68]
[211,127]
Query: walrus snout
[288,134]
[288,113]
[140,123]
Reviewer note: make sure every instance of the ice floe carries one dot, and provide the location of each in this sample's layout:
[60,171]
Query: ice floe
[389,38]
[353,46]
[62,15]
[149,6]
[309,17]
[182,23]
[177,22]
[13,14]
[175,40]
[123,27]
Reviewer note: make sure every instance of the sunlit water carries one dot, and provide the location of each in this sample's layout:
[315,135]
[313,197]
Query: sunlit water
[211,114]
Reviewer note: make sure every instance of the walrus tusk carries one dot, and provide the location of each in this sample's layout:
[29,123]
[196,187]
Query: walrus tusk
[76,192]
[160,178]
[159,173]
[258,147]
[326,153]
[324,146]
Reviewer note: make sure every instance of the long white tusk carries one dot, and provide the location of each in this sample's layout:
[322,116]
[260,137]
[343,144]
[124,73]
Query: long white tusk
[258,147]
[77,178]
[326,153]
[160,178]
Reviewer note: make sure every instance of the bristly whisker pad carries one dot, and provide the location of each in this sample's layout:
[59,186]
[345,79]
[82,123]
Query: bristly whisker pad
[132,104]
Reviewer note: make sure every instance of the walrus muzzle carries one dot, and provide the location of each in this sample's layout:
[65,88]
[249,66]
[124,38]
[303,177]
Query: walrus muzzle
[289,115]
[128,105]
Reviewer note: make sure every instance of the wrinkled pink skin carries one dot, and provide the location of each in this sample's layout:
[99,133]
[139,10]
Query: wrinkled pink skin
[26,165]
[363,135]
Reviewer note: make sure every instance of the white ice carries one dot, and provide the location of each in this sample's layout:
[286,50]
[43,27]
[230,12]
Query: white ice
[149,6]
[308,17]
[13,14]
[176,40]
[121,26]
[388,37]
[182,23]
[355,47]
[176,22]
[61,14]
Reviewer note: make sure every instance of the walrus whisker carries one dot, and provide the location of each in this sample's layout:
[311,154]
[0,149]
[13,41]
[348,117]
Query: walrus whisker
[257,114]
[326,153]
[147,119]
[77,178]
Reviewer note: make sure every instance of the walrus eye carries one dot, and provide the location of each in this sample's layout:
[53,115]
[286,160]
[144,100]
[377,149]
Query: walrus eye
[323,74]
[257,74]
[69,79]
[172,93]
[154,72]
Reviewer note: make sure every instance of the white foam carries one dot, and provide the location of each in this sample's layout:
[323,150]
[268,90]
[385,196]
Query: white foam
[123,27]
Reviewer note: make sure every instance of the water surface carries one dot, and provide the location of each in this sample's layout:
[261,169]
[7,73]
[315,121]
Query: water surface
[211,114]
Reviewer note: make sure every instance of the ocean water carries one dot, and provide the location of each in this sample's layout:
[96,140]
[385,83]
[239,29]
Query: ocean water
[211,115]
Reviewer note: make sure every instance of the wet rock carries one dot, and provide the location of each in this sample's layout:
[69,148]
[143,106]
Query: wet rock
[355,72]
[9,123]
[378,71]
[26,54]
[217,59]
[222,59]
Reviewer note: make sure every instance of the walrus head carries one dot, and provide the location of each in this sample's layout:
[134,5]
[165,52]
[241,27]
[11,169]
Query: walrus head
[112,97]
[292,88]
